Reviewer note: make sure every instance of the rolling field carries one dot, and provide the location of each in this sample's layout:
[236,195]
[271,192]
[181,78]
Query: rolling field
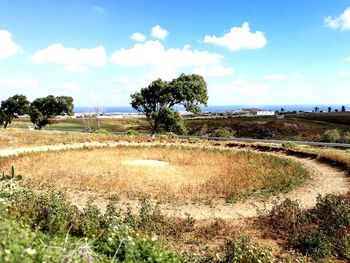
[293,127]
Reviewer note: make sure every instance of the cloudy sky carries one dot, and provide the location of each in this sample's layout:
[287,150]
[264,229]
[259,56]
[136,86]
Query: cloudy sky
[250,52]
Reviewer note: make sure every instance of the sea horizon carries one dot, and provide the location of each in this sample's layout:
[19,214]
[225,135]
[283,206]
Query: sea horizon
[220,108]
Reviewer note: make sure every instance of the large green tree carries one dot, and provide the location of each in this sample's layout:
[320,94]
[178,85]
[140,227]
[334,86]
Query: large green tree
[157,101]
[43,109]
[12,108]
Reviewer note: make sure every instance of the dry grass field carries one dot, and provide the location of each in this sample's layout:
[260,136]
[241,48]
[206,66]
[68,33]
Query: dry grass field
[186,175]
[193,175]
[12,138]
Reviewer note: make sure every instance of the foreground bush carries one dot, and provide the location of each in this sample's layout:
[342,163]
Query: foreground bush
[241,250]
[320,232]
[46,227]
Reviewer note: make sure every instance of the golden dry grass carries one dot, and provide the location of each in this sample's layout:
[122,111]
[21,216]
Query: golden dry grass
[192,174]
[11,138]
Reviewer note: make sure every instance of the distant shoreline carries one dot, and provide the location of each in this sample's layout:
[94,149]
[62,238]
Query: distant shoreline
[128,110]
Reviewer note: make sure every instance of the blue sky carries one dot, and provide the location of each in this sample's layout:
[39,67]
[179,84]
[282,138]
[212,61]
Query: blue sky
[250,52]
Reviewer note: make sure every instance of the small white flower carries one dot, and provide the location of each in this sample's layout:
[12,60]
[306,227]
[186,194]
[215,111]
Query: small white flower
[30,251]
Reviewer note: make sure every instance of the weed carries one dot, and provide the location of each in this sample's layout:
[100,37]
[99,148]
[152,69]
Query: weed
[132,134]
[320,232]
[240,249]
[289,145]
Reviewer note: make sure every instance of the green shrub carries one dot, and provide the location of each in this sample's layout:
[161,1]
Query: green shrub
[101,131]
[240,250]
[331,136]
[133,133]
[163,136]
[225,132]
[284,216]
[171,135]
[38,227]
[346,137]
[314,242]
[319,232]
[289,145]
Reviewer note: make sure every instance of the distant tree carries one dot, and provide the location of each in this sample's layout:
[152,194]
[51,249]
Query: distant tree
[43,109]
[282,110]
[12,108]
[336,110]
[157,100]
[2,117]
[316,109]
[91,119]
[343,108]
[329,109]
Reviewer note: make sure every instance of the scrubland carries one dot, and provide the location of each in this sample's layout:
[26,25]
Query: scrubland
[41,223]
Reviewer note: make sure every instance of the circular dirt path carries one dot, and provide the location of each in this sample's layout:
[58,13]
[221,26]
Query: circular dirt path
[324,180]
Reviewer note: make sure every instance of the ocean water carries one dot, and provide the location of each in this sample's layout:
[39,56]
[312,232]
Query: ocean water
[222,108]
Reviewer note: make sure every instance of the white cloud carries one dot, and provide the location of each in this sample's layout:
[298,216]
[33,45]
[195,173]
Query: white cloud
[214,71]
[239,91]
[138,37]
[343,73]
[164,62]
[98,9]
[341,22]
[275,77]
[22,83]
[71,87]
[159,32]
[73,59]
[348,59]
[298,75]
[166,73]
[239,38]
[8,47]
[123,80]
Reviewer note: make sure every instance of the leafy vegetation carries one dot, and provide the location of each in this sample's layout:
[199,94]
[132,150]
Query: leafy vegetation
[225,132]
[12,108]
[320,232]
[43,109]
[289,145]
[156,101]
[46,227]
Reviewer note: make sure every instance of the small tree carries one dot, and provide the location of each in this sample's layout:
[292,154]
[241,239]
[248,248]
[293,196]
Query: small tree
[329,109]
[343,108]
[91,119]
[12,108]
[156,101]
[43,109]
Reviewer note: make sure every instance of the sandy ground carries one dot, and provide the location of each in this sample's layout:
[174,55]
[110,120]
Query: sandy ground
[324,180]
[148,163]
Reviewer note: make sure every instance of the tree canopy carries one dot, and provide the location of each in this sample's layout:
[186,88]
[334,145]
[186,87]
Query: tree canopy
[158,99]
[43,109]
[12,108]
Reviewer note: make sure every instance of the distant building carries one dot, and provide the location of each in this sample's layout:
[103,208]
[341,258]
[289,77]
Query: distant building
[265,113]
[250,112]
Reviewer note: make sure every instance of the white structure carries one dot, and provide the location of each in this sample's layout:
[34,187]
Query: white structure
[265,113]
